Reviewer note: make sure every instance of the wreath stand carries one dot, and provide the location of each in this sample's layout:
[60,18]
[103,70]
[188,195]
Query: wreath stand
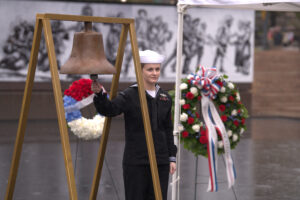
[43,21]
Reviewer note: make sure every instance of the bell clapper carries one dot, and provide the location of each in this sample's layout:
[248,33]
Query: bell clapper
[94,77]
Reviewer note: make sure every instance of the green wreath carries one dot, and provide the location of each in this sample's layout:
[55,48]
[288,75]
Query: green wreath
[226,99]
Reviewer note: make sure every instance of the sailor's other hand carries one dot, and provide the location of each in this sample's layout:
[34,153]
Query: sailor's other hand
[172,167]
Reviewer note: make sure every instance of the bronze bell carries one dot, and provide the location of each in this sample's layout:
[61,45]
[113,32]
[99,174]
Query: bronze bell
[87,56]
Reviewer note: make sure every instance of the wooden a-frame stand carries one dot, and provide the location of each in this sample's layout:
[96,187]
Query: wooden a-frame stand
[43,21]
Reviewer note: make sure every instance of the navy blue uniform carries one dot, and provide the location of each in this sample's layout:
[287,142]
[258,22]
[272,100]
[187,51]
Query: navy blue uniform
[136,153]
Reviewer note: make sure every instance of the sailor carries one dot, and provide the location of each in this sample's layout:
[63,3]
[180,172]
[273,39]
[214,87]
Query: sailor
[136,167]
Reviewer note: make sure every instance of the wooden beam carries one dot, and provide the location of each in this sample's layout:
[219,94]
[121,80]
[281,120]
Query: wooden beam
[105,132]
[80,18]
[145,113]
[24,110]
[64,136]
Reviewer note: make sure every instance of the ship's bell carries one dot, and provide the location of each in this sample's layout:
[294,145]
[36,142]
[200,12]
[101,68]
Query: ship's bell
[87,56]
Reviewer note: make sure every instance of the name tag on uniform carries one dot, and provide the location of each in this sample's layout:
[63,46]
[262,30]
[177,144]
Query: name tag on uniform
[163,97]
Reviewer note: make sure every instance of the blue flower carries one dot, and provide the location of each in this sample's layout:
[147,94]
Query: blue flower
[68,101]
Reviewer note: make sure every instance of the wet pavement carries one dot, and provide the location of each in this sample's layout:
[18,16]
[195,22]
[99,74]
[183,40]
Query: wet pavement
[267,162]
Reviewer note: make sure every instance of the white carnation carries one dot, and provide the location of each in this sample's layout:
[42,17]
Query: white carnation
[196,127]
[234,112]
[183,117]
[194,90]
[223,90]
[223,99]
[180,128]
[220,144]
[229,133]
[230,85]
[87,128]
[183,86]
[242,131]
[238,97]
[182,101]
[235,137]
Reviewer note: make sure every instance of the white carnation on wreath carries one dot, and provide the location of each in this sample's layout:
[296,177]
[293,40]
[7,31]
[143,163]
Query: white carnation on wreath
[238,97]
[230,85]
[229,133]
[235,137]
[182,102]
[183,86]
[223,99]
[220,144]
[223,89]
[196,127]
[234,112]
[183,117]
[194,91]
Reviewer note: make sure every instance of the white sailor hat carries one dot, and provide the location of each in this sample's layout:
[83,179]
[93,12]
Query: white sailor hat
[149,56]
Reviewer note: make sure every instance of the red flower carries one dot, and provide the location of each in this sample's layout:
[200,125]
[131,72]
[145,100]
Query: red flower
[203,132]
[197,115]
[220,83]
[199,98]
[203,140]
[231,98]
[222,108]
[243,121]
[186,106]
[184,134]
[79,89]
[239,110]
[190,120]
[201,128]
[236,123]
[189,81]
[189,95]
[224,118]
[239,102]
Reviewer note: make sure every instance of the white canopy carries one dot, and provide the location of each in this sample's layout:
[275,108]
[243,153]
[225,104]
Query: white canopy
[268,5]
[182,5]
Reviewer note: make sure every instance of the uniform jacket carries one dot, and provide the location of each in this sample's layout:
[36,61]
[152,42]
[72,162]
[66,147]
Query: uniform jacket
[128,103]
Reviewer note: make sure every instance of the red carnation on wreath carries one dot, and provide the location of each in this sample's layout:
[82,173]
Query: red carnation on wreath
[79,89]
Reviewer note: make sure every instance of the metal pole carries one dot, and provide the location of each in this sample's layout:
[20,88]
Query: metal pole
[196,176]
[175,185]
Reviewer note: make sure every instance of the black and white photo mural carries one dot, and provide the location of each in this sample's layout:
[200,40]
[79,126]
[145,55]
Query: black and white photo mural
[211,37]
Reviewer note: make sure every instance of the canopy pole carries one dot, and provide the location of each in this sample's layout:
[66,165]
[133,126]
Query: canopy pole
[176,176]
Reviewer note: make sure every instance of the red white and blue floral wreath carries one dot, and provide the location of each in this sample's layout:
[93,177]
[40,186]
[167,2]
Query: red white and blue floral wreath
[223,119]
[76,97]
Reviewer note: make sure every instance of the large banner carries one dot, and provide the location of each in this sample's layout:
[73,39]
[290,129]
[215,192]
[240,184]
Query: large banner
[211,37]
